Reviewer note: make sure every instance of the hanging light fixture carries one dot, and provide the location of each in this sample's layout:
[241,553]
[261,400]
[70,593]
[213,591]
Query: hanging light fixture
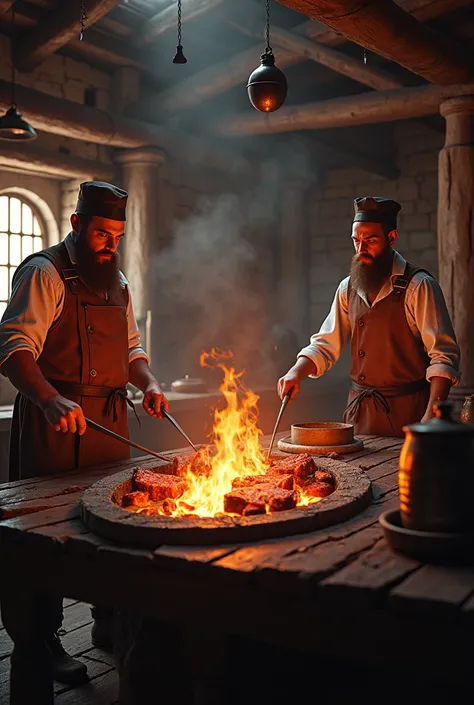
[267,86]
[179,57]
[12,126]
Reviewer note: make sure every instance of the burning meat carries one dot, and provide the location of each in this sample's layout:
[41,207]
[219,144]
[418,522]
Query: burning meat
[314,488]
[254,500]
[135,499]
[196,463]
[323,476]
[286,482]
[158,486]
[301,466]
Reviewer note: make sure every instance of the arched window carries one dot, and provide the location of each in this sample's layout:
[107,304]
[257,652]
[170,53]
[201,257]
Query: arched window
[21,234]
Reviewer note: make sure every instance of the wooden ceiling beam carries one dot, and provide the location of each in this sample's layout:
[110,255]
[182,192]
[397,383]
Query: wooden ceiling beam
[57,164]
[347,111]
[167,19]
[82,122]
[367,75]
[233,71]
[388,30]
[57,30]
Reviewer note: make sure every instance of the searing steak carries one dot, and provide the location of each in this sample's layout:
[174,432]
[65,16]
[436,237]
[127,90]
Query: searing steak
[323,476]
[196,463]
[254,500]
[158,486]
[301,466]
[286,482]
[135,499]
[314,488]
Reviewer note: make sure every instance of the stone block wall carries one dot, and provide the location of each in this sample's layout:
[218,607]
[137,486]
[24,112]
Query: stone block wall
[332,211]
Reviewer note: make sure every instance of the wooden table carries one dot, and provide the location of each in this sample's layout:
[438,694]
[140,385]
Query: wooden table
[348,594]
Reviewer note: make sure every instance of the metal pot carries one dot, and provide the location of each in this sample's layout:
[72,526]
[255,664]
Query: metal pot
[189,385]
[436,474]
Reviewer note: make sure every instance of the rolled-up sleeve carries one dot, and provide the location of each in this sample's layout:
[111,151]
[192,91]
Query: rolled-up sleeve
[326,346]
[33,307]
[428,307]
[135,348]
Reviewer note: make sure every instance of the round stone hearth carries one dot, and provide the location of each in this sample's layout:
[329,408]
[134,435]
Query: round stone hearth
[103,515]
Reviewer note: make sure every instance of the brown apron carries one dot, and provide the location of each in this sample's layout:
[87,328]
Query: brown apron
[389,386]
[85,357]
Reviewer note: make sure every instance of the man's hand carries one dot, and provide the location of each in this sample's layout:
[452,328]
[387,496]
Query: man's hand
[64,415]
[291,381]
[154,400]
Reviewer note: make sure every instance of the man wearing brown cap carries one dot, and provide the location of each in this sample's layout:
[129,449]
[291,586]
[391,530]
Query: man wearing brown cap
[69,343]
[404,351]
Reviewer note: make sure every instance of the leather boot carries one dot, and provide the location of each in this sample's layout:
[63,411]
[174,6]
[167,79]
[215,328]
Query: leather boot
[102,631]
[66,669]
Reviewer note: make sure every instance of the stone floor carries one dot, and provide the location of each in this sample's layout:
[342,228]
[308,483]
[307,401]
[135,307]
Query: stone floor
[102,688]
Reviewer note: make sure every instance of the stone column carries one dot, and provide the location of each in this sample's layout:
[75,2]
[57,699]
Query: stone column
[456,230]
[294,258]
[141,178]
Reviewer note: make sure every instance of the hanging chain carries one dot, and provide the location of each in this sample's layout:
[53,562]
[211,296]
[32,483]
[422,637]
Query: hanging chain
[83,20]
[179,22]
[12,54]
[365,55]
[268,49]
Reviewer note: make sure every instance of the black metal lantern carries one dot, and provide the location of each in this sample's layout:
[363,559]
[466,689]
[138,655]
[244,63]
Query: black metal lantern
[13,127]
[179,57]
[267,86]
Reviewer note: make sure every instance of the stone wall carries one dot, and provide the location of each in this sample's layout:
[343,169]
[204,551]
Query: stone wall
[332,210]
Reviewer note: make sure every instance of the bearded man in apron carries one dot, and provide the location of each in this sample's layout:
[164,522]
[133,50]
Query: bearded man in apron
[404,351]
[69,343]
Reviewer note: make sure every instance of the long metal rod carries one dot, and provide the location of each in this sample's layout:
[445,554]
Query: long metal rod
[285,401]
[117,437]
[178,427]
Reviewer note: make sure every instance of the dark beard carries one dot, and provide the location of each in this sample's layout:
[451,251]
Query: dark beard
[99,277]
[370,277]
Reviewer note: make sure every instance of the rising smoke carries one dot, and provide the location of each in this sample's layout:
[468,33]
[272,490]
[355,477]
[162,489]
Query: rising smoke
[217,282]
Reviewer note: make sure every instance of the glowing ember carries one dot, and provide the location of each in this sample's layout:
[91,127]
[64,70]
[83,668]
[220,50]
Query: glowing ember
[235,451]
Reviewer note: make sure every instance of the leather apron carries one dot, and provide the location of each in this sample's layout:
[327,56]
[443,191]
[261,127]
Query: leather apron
[389,387]
[85,357]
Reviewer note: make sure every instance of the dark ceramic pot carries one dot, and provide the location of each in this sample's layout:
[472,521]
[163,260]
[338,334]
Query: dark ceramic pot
[436,474]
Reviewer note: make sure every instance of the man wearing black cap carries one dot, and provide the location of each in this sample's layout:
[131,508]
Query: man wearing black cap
[404,351]
[69,343]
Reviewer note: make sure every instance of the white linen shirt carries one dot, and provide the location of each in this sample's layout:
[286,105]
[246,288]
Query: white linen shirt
[427,318]
[37,301]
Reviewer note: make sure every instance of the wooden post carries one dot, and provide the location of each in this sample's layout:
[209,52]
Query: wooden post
[141,178]
[456,230]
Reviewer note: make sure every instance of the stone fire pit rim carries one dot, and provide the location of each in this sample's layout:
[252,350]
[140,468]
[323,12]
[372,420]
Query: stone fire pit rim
[105,517]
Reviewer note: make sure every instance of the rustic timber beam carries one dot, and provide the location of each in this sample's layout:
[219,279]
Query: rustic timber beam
[57,164]
[362,109]
[385,28]
[5,5]
[166,19]
[82,122]
[233,71]
[341,63]
[56,30]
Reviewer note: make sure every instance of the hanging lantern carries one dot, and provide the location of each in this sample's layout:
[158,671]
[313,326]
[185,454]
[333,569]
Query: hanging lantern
[267,86]
[13,127]
[179,57]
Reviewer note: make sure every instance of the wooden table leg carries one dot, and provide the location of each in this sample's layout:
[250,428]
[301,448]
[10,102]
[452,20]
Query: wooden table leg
[26,618]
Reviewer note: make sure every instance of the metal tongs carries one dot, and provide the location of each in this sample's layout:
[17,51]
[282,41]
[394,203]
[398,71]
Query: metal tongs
[285,401]
[130,443]
[170,418]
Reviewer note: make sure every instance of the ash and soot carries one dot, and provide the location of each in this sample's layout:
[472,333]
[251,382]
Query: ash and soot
[230,475]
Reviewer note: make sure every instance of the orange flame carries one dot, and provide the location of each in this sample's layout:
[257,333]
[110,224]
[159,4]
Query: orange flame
[235,436]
